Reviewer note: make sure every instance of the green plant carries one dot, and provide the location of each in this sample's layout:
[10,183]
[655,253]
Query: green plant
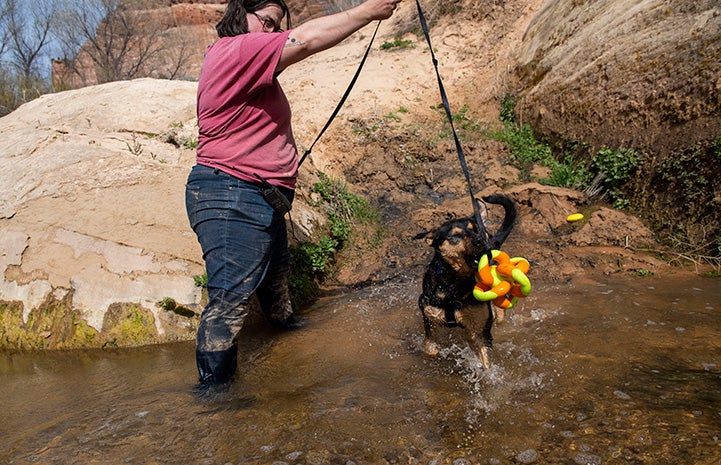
[393,116]
[616,167]
[567,173]
[312,262]
[302,281]
[526,151]
[134,146]
[461,121]
[340,229]
[644,273]
[342,205]
[201,280]
[523,146]
[396,43]
[508,109]
[167,303]
[320,255]
[366,129]
[685,170]
[191,143]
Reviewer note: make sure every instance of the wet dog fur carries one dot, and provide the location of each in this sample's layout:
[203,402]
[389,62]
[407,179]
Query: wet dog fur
[447,295]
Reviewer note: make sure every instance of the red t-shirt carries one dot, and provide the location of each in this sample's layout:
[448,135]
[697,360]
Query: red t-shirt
[244,118]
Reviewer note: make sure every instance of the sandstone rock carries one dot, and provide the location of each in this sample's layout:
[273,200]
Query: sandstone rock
[641,74]
[78,218]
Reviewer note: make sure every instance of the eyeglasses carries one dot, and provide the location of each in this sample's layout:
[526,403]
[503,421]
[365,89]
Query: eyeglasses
[268,23]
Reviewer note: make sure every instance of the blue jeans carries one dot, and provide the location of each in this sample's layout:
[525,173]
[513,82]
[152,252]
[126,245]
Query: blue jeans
[245,248]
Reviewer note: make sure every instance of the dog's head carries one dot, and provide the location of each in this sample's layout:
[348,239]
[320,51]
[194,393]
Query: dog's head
[458,243]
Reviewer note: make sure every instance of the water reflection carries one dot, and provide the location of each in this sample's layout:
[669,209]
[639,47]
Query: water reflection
[625,372]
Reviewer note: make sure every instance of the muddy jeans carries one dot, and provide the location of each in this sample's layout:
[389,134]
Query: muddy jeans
[245,248]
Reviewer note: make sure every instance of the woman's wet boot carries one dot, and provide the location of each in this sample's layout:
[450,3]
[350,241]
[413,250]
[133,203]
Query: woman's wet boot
[216,349]
[216,369]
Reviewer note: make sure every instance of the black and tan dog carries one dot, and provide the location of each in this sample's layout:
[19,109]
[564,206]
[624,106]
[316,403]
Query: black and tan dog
[447,297]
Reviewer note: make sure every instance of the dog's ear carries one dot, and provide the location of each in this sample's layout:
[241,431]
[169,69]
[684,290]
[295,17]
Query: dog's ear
[428,236]
[483,209]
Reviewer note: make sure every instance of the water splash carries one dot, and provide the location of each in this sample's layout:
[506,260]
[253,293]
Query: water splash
[515,372]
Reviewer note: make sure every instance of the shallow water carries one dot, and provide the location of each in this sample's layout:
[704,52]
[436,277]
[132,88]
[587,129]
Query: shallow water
[616,373]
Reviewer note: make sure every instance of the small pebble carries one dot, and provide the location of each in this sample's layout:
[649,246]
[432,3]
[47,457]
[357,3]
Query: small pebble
[621,395]
[527,456]
[587,459]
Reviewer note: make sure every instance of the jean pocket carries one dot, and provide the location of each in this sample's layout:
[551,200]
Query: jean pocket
[206,194]
[192,196]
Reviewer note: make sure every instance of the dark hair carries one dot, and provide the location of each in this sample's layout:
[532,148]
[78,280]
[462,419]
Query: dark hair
[235,22]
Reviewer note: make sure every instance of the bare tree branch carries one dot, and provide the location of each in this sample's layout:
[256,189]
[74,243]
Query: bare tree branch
[4,33]
[104,41]
[178,50]
[27,26]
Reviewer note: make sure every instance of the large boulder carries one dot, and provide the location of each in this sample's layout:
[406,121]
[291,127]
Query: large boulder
[642,74]
[93,211]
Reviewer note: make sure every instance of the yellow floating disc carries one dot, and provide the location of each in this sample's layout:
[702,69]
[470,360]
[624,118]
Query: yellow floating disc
[574,217]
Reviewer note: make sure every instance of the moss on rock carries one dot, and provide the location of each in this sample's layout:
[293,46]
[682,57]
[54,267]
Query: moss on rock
[13,331]
[53,325]
[129,325]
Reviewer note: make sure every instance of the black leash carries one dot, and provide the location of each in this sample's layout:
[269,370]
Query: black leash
[343,99]
[476,211]
[488,338]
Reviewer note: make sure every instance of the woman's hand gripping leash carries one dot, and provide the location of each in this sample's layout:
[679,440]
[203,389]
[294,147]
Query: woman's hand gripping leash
[381,9]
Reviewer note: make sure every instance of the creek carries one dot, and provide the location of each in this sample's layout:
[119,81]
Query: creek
[626,370]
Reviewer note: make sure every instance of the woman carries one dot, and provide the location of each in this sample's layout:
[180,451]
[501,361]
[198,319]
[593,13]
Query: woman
[245,140]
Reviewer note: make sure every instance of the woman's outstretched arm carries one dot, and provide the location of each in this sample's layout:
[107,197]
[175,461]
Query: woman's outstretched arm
[322,33]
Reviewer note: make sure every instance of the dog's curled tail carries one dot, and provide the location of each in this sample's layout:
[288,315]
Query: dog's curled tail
[509,220]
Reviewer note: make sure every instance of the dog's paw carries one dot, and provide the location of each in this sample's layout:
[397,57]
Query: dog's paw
[430,348]
[485,356]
